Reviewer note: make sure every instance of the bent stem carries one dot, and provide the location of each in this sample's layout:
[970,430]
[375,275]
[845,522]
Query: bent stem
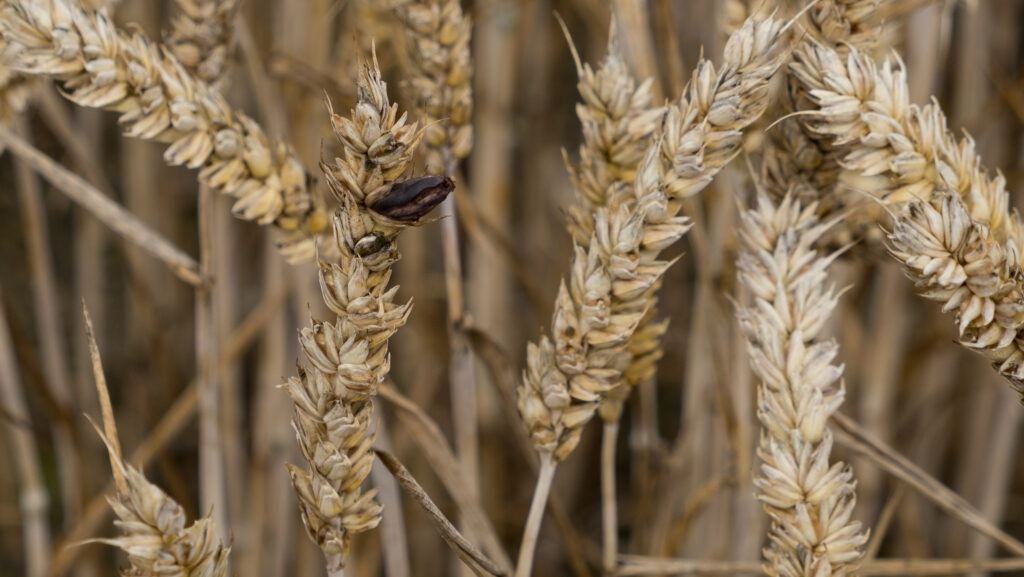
[609,512]
[533,520]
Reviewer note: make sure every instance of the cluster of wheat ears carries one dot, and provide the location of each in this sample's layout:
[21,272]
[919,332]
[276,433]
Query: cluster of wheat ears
[809,103]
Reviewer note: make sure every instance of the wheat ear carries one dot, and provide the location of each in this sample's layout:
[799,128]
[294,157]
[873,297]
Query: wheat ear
[958,261]
[916,161]
[100,66]
[200,37]
[348,359]
[441,77]
[809,500]
[866,110]
[153,528]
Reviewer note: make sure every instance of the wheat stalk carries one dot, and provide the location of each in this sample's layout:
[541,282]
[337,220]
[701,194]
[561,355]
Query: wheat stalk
[348,359]
[200,38]
[810,502]
[99,66]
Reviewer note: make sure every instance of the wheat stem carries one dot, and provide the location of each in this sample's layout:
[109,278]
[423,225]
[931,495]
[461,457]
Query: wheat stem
[609,511]
[212,476]
[465,550]
[33,498]
[545,477]
[47,315]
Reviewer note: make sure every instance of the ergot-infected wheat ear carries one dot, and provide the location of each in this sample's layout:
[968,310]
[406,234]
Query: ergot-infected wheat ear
[348,359]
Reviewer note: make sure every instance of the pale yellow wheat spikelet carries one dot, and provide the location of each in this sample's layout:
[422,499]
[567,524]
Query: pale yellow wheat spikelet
[442,73]
[15,89]
[153,528]
[809,500]
[200,37]
[154,533]
[958,261]
[100,66]
[347,359]
[845,23]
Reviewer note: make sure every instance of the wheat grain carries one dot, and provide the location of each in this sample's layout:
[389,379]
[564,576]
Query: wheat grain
[348,359]
[15,89]
[810,502]
[99,66]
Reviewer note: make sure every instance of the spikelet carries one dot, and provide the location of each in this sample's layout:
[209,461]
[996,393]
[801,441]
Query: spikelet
[809,500]
[154,533]
[15,89]
[441,77]
[348,359]
[99,66]
[200,37]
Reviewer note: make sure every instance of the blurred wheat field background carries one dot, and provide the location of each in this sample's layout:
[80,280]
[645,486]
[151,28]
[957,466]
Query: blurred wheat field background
[655,308]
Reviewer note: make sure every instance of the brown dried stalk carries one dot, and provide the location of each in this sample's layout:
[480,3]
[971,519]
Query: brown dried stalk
[347,359]
[809,501]
[438,36]
[100,66]
[200,38]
